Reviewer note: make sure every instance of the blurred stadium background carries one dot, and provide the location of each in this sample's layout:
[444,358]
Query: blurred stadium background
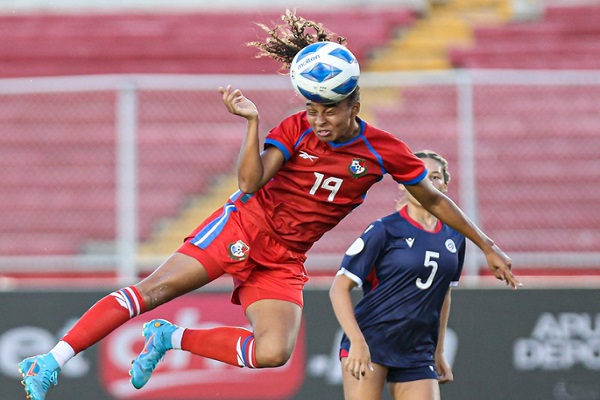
[114,145]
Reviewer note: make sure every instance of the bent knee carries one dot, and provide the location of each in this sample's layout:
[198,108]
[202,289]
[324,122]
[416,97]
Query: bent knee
[272,357]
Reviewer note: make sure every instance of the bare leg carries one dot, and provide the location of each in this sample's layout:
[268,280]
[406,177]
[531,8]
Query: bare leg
[178,275]
[275,324]
[369,387]
[424,389]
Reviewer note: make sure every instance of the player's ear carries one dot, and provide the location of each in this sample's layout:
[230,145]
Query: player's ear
[355,108]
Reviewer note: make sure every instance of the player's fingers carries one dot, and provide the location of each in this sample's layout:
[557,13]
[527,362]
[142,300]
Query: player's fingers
[354,369]
[448,377]
[363,370]
[512,281]
[358,373]
[346,364]
[498,273]
[225,91]
[351,368]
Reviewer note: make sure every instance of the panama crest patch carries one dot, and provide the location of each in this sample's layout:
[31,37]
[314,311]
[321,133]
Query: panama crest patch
[238,250]
[358,167]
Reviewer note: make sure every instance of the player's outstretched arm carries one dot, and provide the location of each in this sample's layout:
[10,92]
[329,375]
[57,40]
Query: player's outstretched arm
[449,213]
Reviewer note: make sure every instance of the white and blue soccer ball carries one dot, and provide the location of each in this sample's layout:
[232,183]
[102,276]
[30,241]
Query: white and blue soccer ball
[324,72]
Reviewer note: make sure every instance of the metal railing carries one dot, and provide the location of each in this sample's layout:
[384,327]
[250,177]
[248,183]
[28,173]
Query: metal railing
[484,122]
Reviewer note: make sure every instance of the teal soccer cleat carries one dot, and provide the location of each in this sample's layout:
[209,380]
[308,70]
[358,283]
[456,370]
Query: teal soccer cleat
[40,373]
[158,341]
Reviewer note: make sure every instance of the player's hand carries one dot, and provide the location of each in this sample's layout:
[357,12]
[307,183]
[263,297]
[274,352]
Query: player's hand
[237,103]
[501,266]
[443,369]
[358,361]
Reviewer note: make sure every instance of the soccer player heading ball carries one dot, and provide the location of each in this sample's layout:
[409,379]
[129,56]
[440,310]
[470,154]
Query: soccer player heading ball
[312,170]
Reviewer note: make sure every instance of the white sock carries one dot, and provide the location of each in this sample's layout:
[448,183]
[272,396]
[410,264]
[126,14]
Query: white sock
[62,353]
[176,338]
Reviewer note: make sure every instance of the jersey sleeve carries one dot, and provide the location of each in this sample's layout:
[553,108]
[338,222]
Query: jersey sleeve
[404,166]
[285,135]
[362,255]
[397,158]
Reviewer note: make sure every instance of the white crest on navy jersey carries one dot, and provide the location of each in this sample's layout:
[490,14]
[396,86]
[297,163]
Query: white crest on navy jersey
[307,156]
[410,241]
[355,247]
[451,246]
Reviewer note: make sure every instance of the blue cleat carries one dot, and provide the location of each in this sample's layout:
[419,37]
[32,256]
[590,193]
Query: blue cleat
[158,341]
[40,373]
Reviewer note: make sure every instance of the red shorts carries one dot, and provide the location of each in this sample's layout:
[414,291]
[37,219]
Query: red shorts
[261,267]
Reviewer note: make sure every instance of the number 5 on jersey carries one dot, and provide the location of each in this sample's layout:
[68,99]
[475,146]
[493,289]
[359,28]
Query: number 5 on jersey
[429,262]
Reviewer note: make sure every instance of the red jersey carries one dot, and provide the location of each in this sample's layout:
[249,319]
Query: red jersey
[320,183]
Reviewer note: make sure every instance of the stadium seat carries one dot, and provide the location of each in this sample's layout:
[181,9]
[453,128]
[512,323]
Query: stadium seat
[565,38]
[76,44]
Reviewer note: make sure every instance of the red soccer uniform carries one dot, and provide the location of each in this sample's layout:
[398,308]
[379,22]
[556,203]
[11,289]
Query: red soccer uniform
[317,186]
[320,183]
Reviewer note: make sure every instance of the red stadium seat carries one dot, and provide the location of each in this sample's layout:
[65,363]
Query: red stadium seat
[47,45]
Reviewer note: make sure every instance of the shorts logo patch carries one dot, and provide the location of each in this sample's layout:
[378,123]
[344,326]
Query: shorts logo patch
[238,250]
[358,167]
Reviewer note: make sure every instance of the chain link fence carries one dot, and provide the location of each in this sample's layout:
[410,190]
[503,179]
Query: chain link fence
[107,174]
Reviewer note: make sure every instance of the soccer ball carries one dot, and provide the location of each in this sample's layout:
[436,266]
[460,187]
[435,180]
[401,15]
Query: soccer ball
[324,72]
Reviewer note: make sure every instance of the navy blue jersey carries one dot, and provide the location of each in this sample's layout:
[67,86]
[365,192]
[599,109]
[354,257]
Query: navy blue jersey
[405,272]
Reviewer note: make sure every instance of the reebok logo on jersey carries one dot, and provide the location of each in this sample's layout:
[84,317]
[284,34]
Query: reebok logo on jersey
[307,156]
[409,241]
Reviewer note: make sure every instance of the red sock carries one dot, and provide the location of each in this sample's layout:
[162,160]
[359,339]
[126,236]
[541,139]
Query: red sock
[231,345]
[104,317]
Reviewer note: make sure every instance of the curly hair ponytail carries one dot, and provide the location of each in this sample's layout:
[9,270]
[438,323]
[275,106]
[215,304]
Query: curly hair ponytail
[286,40]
